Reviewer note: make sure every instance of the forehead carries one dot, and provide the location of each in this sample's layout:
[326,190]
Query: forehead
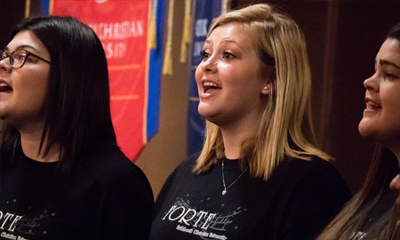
[390,51]
[27,40]
[231,32]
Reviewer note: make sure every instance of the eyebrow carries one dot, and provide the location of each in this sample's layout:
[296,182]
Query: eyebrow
[22,47]
[226,41]
[385,62]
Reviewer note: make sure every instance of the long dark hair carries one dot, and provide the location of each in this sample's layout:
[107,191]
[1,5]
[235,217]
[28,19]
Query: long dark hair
[350,220]
[77,104]
[383,169]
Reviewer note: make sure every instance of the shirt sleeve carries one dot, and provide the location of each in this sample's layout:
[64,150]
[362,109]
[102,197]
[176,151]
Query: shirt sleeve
[315,200]
[128,206]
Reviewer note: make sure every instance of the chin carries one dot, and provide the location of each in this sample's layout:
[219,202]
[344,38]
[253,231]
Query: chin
[205,112]
[369,134]
[364,128]
[365,132]
[210,117]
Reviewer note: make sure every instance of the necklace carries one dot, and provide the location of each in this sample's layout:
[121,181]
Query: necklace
[223,179]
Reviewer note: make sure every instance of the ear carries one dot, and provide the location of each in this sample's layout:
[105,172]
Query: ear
[267,88]
[269,78]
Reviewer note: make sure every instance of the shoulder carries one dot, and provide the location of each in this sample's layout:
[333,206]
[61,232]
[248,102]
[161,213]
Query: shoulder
[185,167]
[315,192]
[109,160]
[110,168]
[315,177]
[315,167]
[182,175]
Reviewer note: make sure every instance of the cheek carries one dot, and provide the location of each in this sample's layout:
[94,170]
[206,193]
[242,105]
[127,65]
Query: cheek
[198,75]
[391,106]
[34,84]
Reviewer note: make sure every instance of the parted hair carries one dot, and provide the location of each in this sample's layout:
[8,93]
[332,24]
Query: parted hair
[354,216]
[77,101]
[285,128]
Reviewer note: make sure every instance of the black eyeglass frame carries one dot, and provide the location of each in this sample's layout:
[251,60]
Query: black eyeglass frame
[9,55]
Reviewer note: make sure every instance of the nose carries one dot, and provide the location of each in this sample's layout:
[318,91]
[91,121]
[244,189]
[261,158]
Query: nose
[371,83]
[209,65]
[5,65]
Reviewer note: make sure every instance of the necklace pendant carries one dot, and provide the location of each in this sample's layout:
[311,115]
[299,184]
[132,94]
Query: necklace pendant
[224,192]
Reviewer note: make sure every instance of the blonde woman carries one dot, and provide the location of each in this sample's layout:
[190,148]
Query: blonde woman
[371,213]
[259,175]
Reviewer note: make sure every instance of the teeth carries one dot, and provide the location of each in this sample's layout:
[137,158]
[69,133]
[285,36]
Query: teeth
[372,105]
[3,85]
[210,84]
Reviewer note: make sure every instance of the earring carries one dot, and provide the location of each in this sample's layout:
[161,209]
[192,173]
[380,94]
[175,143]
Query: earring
[266,88]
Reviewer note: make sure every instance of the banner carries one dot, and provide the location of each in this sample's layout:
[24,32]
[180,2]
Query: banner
[123,26]
[206,11]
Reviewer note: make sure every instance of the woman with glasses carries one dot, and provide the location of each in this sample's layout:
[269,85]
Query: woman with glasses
[62,175]
[260,174]
[372,214]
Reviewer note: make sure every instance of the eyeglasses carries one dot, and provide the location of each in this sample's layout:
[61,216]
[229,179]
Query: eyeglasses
[18,58]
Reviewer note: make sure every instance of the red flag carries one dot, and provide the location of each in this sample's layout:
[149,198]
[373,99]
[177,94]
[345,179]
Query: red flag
[122,28]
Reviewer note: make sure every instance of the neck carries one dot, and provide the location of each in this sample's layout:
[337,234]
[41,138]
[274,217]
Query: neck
[30,143]
[233,138]
[394,148]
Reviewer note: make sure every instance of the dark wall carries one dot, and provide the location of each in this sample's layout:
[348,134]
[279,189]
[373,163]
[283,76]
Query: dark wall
[11,12]
[343,38]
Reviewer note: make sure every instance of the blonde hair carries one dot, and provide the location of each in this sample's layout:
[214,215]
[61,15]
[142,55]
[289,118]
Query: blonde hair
[285,128]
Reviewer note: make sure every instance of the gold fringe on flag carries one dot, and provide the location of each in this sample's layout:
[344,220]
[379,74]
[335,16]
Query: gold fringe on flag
[51,4]
[167,67]
[27,8]
[186,37]
[152,35]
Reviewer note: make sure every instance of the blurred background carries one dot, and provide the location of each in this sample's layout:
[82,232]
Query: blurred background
[343,37]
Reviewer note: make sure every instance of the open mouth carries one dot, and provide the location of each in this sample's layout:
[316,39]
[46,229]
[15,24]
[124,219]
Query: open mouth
[5,88]
[371,105]
[209,86]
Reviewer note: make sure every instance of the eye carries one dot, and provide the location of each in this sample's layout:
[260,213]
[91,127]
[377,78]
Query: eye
[19,56]
[204,54]
[228,55]
[389,76]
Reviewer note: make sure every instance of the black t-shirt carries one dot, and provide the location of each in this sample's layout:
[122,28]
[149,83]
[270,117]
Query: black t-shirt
[106,197]
[295,203]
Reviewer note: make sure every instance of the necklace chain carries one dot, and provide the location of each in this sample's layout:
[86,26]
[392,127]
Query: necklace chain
[225,191]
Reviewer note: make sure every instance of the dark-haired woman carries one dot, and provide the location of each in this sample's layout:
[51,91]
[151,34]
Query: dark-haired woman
[371,213]
[62,173]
